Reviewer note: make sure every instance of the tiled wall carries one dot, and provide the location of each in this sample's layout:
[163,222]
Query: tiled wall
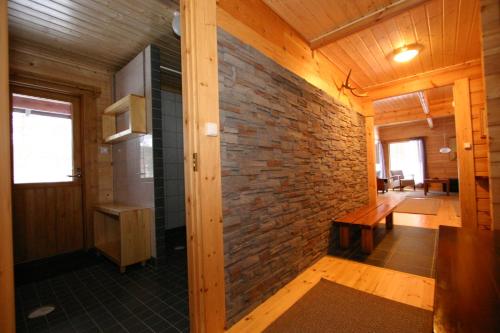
[133,171]
[173,160]
[292,160]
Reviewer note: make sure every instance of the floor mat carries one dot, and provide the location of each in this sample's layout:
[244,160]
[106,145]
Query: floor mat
[419,206]
[331,307]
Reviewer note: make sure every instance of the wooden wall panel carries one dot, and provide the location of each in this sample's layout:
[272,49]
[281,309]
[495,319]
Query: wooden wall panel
[7,308]
[490,22]
[44,67]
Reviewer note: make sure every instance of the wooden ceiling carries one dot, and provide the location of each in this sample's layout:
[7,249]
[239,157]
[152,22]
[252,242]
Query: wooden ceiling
[106,34]
[406,108]
[448,30]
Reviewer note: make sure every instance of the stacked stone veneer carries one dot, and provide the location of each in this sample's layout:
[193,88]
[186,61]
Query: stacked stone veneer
[292,160]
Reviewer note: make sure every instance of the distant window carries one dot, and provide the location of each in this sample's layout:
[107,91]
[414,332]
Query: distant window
[42,140]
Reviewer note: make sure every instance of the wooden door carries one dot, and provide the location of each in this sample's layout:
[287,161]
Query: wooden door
[47,175]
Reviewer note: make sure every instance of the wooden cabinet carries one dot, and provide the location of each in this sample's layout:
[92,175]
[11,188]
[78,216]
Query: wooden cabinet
[125,119]
[123,233]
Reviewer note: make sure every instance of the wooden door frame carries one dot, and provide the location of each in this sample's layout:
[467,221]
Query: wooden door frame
[7,308]
[202,167]
[463,124]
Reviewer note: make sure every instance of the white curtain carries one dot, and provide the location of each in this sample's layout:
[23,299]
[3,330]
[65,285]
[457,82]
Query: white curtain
[408,156]
[380,165]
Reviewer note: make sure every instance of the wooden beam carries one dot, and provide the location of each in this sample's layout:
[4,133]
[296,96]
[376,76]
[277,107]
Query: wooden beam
[400,116]
[428,80]
[465,152]
[7,308]
[364,22]
[202,167]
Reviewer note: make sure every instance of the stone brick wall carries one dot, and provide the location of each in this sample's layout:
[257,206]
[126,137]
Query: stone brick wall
[292,160]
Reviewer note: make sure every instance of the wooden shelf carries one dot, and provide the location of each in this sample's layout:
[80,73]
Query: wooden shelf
[124,119]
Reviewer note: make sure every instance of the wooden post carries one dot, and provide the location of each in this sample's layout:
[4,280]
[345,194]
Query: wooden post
[465,152]
[370,155]
[7,312]
[202,166]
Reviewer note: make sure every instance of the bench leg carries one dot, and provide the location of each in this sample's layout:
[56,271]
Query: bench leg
[344,236]
[389,221]
[367,240]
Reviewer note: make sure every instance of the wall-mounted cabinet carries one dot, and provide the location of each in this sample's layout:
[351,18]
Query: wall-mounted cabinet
[125,119]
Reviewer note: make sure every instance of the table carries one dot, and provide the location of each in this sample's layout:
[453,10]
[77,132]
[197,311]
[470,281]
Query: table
[382,184]
[428,181]
[467,294]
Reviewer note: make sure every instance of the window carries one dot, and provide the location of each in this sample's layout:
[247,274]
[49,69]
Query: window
[42,134]
[408,157]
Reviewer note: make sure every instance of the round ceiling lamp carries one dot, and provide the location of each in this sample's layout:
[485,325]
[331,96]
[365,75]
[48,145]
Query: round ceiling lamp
[406,53]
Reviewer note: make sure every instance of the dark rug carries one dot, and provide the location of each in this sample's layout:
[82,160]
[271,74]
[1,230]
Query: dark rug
[405,249]
[331,307]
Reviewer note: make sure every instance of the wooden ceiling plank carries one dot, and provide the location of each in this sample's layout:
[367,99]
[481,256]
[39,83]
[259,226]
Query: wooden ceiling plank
[378,53]
[71,12]
[337,55]
[364,22]
[397,39]
[450,26]
[350,47]
[51,37]
[434,13]
[405,26]
[421,27]
[382,37]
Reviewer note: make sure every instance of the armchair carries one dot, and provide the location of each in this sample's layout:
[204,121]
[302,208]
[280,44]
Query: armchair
[398,180]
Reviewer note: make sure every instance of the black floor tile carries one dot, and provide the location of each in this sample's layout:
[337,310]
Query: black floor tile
[95,297]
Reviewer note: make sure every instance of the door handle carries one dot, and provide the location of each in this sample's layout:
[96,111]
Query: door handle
[78,173]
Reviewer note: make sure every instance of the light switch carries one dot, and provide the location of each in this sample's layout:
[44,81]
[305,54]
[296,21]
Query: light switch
[467,145]
[104,150]
[211,129]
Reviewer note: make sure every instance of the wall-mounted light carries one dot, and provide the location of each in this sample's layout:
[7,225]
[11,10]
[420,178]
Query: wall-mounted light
[176,23]
[406,53]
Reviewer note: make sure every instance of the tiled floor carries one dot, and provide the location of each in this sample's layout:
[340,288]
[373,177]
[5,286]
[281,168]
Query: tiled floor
[97,298]
[405,249]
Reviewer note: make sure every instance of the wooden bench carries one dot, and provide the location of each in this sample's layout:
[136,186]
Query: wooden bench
[368,218]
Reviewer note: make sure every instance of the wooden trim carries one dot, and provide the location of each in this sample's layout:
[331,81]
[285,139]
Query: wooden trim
[202,167]
[7,308]
[466,169]
[377,16]
[428,80]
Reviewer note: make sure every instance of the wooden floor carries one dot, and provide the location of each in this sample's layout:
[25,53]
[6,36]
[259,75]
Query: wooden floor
[402,287]
[398,286]
[445,216]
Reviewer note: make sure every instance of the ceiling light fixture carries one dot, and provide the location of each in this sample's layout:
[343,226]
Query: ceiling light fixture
[406,53]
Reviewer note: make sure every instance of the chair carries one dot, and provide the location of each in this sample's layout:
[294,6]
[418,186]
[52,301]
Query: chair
[398,180]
